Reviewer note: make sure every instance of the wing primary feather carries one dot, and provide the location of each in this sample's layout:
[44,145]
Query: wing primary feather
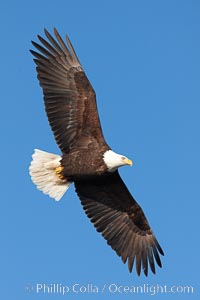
[43,50]
[151,260]
[60,40]
[156,255]
[48,46]
[132,250]
[144,256]
[138,263]
[159,247]
[131,261]
[53,42]
[54,54]
[72,50]
[38,56]
[44,61]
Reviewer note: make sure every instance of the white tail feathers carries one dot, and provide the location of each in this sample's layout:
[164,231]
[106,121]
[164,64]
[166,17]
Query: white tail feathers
[43,174]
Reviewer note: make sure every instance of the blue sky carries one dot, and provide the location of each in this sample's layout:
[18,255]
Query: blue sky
[143,59]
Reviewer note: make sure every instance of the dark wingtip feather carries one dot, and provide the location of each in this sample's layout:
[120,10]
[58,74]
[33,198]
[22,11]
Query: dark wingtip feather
[157,257]
[145,270]
[34,53]
[31,51]
[37,55]
[55,31]
[33,43]
[151,260]
[159,248]
[131,263]
[36,45]
[138,264]
[145,262]
[45,31]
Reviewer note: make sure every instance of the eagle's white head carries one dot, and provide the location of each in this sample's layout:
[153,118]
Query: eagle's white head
[114,160]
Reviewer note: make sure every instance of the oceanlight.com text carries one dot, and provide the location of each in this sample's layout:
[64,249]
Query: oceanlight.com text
[111,288]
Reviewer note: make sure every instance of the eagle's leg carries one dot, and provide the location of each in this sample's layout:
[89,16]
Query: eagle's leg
[59,172]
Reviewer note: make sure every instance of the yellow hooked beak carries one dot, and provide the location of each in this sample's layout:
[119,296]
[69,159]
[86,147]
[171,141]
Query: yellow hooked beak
[128,161]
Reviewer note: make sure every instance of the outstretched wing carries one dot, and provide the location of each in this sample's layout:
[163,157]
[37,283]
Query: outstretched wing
[69,98]
[114,212]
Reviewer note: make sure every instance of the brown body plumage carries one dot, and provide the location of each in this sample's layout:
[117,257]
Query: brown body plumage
[84,162]
[87,160]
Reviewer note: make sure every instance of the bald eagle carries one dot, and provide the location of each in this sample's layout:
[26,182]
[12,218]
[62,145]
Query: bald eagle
[87,160]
